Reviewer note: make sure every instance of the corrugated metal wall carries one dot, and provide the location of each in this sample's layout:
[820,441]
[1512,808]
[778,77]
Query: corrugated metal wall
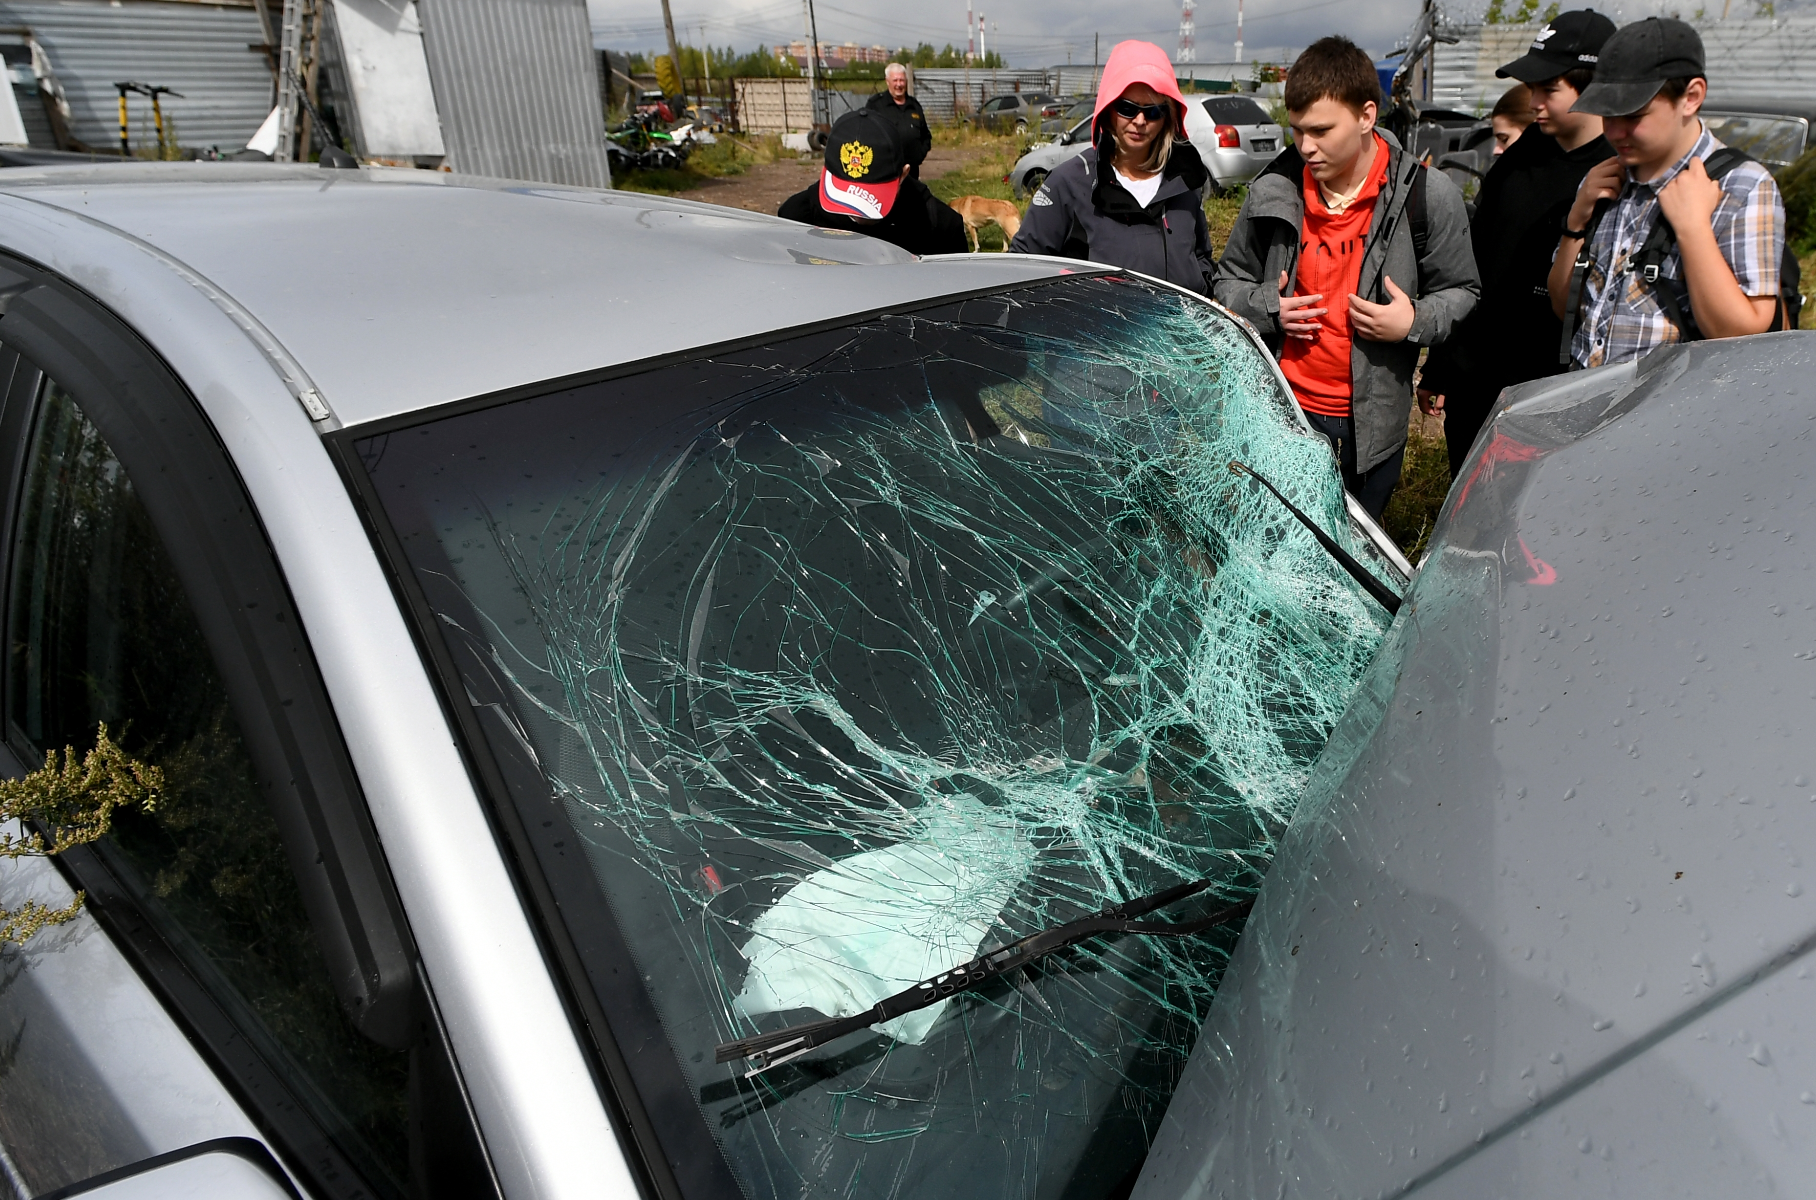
[198,49]
[518,89]
[1757,64]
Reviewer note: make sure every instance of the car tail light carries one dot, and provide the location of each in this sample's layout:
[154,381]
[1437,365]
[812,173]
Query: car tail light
[1226,136]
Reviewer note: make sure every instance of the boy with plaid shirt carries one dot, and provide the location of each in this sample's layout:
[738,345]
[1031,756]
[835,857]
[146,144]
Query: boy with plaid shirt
[1721,276]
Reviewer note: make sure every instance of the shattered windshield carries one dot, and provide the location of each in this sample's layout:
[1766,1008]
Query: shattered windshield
[809,671]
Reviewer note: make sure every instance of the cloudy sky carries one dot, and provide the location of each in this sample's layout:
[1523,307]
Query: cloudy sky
[1029,32]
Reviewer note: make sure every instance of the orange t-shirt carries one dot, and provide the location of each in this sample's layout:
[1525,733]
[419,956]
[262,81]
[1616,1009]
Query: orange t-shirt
[1330,261]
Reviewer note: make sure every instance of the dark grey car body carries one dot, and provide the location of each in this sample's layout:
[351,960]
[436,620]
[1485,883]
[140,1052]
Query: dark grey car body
[1012,110]
[1541,925]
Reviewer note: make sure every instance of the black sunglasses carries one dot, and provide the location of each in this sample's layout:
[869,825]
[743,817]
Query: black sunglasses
[1130,110]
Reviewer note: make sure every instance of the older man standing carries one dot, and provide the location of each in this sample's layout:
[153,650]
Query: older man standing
[915,138]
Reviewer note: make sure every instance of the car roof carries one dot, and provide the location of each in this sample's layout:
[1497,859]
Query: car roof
[397,290]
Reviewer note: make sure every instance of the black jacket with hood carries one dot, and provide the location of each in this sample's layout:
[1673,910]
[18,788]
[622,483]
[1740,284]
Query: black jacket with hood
[1441,280]
[1082,211]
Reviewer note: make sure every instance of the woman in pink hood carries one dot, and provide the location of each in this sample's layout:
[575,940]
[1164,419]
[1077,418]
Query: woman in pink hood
[1134,199]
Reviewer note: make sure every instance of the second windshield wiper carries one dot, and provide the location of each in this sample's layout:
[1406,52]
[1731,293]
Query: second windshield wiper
[767,1050]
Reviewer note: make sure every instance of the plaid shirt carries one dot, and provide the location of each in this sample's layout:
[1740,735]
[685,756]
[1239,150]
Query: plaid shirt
[1625,321]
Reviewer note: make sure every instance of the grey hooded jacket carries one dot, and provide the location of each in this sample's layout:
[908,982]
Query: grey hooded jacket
[1443,282]
[1079,213]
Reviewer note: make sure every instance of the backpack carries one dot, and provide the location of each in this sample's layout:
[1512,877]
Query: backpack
[1648,261]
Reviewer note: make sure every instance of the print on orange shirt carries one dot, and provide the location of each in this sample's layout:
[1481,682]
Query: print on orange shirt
[1330,261]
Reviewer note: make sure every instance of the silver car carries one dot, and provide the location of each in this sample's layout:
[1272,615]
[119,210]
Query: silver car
[1542,925]
[1232,134]
[830,745]
[575,729]
[1075,111]
[1012,111]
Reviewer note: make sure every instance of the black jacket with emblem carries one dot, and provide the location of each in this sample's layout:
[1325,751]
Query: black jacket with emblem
[1441,279]
[1083,212]
[920,222]
[911,123]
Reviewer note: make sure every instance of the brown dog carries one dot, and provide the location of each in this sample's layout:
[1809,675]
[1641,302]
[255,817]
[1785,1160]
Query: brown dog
[979,212]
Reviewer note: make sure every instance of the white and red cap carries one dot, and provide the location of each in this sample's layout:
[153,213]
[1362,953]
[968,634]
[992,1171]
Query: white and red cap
[870,201]
[863,169]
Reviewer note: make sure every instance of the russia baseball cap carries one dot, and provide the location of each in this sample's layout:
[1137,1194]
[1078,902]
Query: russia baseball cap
[1637,61]
[1573,40]
[863,166]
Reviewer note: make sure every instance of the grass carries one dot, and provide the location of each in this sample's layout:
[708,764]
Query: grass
[984,175]
[1807,263]
[1220,212]
[728,156]
[1424,482]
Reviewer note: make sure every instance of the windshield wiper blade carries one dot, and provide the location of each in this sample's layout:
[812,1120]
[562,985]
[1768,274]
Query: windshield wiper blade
[1374,587]
[767,1050]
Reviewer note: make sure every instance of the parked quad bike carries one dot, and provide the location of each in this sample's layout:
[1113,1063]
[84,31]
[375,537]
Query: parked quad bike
[641,144]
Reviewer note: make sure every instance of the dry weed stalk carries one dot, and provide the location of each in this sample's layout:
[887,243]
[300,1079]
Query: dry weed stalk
[74,801]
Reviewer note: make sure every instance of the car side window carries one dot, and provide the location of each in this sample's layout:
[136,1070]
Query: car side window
[100,631]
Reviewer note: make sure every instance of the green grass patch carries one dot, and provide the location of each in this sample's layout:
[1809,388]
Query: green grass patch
[1220,213]
[983,175]
[727,156]
[1424,482]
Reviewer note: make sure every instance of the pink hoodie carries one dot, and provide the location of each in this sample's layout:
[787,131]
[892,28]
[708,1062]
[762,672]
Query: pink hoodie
[1139,62]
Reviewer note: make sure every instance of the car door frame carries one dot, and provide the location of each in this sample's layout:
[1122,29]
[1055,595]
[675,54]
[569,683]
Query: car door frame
[230,573]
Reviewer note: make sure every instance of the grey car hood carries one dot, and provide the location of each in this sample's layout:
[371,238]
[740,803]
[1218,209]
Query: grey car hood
[1547,893]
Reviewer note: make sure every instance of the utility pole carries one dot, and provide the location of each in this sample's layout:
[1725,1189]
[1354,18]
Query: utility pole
[813,70]
[1238,30]
[674,47]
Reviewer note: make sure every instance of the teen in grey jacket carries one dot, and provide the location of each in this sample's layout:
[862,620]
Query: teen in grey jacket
[1442,281]
[1080,212]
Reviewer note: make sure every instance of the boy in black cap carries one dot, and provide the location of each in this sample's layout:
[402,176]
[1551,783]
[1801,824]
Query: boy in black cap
[1719,274]
[863,189]
[1513,335]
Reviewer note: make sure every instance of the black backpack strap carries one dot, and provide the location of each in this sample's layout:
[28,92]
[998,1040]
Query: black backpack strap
[1579,273]
[1661,239]
[1418,219]
[1724,160]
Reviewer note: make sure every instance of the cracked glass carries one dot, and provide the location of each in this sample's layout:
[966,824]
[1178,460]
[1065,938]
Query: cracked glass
[807,670]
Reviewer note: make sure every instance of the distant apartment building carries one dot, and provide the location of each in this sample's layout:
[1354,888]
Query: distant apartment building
[836,57]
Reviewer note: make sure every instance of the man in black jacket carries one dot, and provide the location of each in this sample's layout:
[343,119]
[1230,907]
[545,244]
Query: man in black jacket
[864,188]
[911,120]
[1513,335]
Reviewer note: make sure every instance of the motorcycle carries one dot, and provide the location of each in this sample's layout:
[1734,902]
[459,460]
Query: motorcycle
[641,144]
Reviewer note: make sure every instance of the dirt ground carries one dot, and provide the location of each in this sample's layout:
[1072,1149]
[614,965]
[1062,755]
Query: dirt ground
[763,187]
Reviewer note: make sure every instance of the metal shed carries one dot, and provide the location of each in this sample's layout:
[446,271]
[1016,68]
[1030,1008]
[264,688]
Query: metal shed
[203,50]
[518,89]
